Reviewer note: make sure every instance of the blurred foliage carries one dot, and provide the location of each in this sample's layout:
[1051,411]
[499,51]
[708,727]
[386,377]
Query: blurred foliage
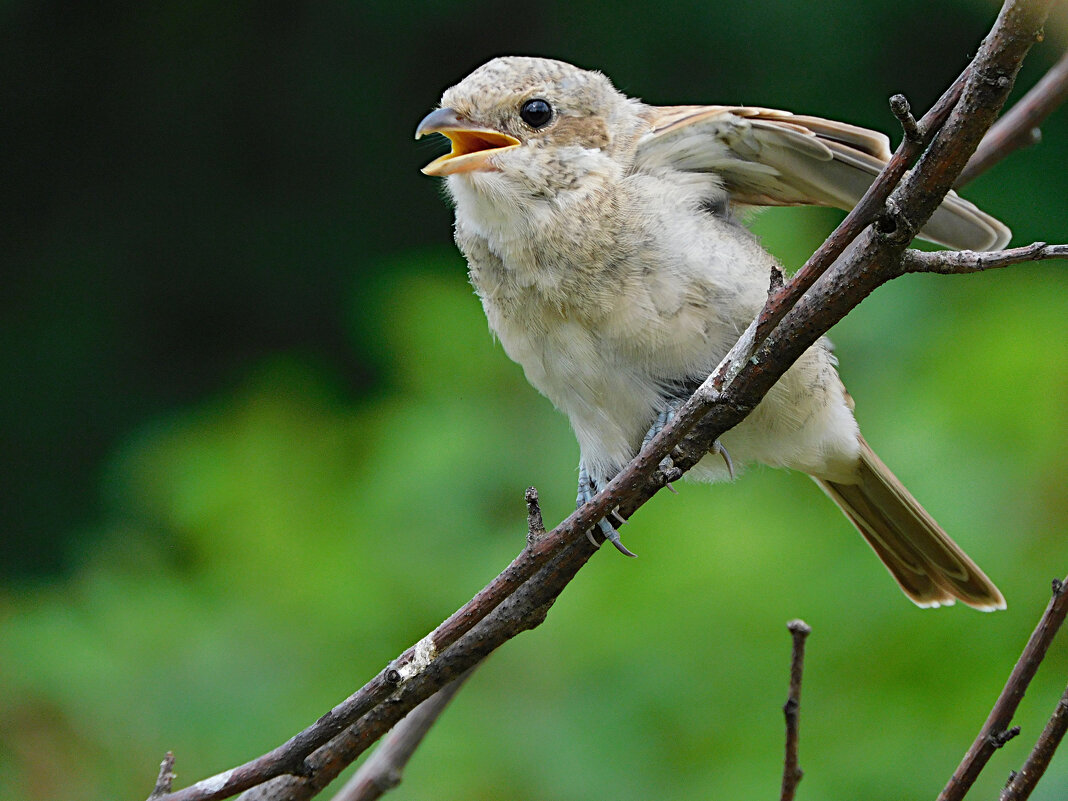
[259,440]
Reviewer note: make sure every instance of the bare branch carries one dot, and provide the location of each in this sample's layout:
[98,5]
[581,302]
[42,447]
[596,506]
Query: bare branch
[383,769]
[996,731]
[1019,127]
[791,769]
[1023,783]
[960,262]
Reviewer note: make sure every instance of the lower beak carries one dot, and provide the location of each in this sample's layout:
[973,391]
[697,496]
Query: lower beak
[472,147]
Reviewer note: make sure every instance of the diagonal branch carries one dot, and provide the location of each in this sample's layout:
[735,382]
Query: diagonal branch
[520,596]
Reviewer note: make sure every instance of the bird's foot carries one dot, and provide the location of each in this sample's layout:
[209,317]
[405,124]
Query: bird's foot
[586,490]
[665,417]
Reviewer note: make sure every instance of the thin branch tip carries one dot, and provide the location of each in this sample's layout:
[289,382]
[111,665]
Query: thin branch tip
[799,628]
[899,106]
[962,262]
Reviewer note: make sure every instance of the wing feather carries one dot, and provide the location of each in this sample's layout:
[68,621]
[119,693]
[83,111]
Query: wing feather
[766,157]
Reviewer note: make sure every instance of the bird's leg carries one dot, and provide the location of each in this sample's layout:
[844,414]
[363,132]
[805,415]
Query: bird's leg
[665,417]
[586,490]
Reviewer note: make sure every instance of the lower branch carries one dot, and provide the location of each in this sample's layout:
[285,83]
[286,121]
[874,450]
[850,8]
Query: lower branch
[1023,783]
[383,769]
[995,732]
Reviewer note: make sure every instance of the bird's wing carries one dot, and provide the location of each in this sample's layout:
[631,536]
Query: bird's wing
[766,157]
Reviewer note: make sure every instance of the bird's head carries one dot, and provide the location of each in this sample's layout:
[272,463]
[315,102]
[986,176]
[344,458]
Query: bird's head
[533,125]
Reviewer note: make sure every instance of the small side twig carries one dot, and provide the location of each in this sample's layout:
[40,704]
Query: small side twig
[384,768]
[995,731]
[535,523]
[1023,783]
[899,105]
[165,780]
[959,262]
[1019,127]
[791,770]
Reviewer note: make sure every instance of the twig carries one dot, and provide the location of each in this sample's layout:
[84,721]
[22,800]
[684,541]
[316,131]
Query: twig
[383,769]
[960,262]
[1023,783]
[1019,127]
[791,770]
[995,731]
[166,777]
[520,596]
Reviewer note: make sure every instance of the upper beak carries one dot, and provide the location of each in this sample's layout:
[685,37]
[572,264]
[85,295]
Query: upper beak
[472,147]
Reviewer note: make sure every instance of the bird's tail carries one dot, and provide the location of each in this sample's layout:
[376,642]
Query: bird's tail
[931,569]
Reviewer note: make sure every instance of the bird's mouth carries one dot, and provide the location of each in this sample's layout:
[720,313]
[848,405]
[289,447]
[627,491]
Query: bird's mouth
[472,147]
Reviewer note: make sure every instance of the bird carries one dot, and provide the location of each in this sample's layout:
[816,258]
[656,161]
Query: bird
[603,238]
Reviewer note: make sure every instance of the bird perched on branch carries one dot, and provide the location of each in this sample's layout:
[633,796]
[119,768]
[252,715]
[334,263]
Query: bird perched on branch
[601,238]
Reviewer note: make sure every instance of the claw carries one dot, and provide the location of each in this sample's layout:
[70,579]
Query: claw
[612,536]
[718,448]
[586,491]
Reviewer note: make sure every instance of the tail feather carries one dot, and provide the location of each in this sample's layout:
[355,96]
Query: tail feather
[931,569]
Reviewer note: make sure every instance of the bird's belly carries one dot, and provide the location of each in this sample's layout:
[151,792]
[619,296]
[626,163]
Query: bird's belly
[609,399]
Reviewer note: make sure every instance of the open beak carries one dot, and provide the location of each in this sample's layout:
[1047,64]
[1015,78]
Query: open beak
[472,147]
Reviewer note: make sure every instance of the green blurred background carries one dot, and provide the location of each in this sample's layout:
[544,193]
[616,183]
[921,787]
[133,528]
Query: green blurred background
[257,438]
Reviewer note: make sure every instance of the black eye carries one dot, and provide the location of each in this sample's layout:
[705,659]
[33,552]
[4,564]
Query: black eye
[536,113]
